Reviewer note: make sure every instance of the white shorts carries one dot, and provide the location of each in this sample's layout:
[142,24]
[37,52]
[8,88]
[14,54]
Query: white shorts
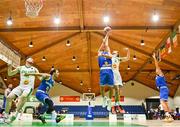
[117,78]
[20,90]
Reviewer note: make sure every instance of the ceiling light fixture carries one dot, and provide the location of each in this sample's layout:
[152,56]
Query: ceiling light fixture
[68,43]
[43,58]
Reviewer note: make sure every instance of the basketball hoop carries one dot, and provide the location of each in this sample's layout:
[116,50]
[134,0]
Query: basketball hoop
[33,7]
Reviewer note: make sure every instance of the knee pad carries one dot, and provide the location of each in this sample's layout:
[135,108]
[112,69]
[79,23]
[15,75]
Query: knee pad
[50,104]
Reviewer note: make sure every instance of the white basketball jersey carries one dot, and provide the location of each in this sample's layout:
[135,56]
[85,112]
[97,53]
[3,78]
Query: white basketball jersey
[27,81]
[115,63]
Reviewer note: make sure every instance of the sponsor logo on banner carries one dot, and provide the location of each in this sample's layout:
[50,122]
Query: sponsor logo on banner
[121,99]
[69,98]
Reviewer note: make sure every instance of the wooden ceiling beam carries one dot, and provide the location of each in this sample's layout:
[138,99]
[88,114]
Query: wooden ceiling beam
[54,43]
[140,50]
[88,37]
[85,28]
[163,41]
[94,70]
[81,14]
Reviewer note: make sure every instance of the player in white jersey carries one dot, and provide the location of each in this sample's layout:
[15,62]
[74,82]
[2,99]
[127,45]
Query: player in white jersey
[25,87]
[116,60]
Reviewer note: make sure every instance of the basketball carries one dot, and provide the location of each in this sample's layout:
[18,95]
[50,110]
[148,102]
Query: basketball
[107,29]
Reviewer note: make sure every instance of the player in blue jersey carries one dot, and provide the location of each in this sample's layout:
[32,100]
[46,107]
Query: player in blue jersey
[106,73]
[163,89]
[47,81]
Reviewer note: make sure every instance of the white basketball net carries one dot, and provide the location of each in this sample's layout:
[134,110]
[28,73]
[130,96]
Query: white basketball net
[33,7]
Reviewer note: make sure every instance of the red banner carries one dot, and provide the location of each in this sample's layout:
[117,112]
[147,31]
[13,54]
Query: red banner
[69,99]
[121,99]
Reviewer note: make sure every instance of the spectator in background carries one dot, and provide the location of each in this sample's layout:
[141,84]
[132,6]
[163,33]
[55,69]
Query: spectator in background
[6,93]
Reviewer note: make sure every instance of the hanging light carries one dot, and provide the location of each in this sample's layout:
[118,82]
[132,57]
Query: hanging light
[68,43]
[73,58]
[31,44]
[9,20]
[106,19]
[89,89]
[134,57]
[128,68]
[155,17]
[57,20]
[81,83]
[5,78]
[78,68]
[142,43]
[43,58]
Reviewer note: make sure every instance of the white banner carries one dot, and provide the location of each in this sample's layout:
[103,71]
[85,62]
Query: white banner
[8,56]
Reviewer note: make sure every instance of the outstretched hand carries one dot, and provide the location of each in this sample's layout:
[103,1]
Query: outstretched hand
[154,55]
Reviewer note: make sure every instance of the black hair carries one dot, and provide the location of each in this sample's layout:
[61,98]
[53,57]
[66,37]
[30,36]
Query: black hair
[118,55]
[52,71]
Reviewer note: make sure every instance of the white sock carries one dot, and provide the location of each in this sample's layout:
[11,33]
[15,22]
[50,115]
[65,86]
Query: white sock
[54,115]
[16,113]
[117,104]
[167,114]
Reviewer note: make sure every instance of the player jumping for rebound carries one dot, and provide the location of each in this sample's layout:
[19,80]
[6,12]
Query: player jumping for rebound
[106,73]
[163,89]
[22,91]
[47,81]
[116,59]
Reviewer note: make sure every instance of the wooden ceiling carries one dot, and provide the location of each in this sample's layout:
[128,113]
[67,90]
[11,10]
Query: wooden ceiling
[82,24]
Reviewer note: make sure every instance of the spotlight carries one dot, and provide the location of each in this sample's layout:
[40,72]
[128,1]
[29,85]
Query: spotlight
[134,57]
[155,17]
[31,44]
[57,20]
[73,58]
[5,78]
[142,43]
[9,21]
[106,19]
[89,89]
[43,58]
[68,43]
[78,68]
[128,68]
[81,83]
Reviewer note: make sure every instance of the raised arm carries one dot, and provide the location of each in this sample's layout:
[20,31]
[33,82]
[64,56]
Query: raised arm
[104,43]
[158,69]
[40,75]
[124,59]
[6,93]
[12,72]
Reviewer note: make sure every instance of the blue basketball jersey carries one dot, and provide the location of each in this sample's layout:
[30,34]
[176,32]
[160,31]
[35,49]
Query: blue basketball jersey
[46,85]
[160,81]
[103,61]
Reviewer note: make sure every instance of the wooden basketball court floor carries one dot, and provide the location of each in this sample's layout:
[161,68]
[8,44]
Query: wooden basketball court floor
[95,123]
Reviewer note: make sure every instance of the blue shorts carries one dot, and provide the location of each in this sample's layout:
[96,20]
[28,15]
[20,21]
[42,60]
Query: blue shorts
[4,103]
[42,96]
[164,92]
[106,77]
